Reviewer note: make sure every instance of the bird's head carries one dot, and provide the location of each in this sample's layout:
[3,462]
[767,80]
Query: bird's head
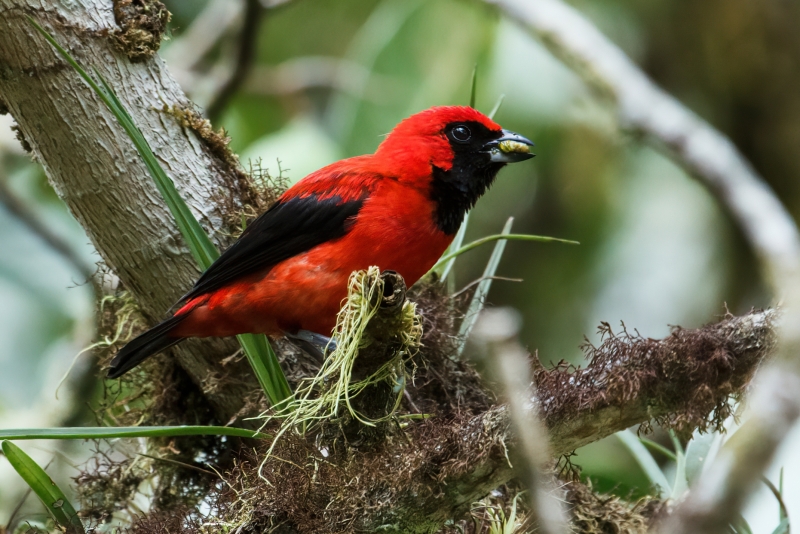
[456,151]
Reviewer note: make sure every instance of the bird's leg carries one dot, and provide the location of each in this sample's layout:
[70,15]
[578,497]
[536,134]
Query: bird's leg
[317,344]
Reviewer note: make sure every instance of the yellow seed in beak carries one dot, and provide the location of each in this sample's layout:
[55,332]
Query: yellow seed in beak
[509,146]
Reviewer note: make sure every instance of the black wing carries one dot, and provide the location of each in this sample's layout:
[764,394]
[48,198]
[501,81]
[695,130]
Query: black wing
[286,229]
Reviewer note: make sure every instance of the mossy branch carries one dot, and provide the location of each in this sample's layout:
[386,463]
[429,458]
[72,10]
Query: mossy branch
[683,381]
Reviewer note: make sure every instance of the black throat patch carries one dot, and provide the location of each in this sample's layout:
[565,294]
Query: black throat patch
[456,190]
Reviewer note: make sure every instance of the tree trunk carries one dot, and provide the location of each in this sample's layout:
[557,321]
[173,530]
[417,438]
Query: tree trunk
[94,167]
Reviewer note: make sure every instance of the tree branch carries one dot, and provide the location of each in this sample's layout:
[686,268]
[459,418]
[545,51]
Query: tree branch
[692,143]
[17,207]
[245,57]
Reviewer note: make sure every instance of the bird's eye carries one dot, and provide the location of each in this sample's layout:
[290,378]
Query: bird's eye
[461,133]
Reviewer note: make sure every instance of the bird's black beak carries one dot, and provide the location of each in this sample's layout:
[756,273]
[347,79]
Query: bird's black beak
[509,148]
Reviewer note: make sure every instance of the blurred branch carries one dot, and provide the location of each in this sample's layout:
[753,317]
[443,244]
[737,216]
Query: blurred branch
[186,53]
[308,72]
[496,332]
[769,229]
[19,209]
[202,35]
[245,57]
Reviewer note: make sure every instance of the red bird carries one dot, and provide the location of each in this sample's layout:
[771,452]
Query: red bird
[397,209]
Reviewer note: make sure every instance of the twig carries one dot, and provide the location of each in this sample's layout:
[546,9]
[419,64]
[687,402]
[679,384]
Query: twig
[244,60]
[769,229]
[17,207]
[181,464]
[187,51]
[496,333]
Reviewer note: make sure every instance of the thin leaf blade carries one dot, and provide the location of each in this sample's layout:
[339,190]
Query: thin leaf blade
[449,256]
[103,432]
[446,265]
[645,461]
[477,302]
[266,367]
[496,107]
[43,486]
[473,90]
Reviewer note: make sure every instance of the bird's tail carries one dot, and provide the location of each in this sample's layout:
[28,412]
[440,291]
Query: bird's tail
[145,345]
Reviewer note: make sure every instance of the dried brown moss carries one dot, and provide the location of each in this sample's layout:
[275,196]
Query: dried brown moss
[444,384]
[156,393]
[592,513]
[326,487]
[685,381]
[142,24]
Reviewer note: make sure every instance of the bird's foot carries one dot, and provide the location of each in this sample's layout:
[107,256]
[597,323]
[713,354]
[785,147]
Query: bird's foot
[314,343]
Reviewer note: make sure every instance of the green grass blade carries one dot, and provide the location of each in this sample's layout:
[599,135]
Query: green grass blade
[266,367]
[742,526]
[259,353]
[650,444]
[496,107]
[478,299]
[783,527]
[698,451]
[43,486]
[201,247]
[783,511]
[645,461]
[681,484]
[110,432]
[497,237]
[473,91]
[446,265]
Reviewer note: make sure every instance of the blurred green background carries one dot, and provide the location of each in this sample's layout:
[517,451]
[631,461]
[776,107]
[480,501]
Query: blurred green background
[330,77]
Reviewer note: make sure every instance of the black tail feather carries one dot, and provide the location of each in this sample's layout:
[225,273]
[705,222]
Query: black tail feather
[145,345]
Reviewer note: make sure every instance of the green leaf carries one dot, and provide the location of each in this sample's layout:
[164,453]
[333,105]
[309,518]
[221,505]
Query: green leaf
[496,107]
[266,367]
[652,445]
[697,452]
[742,526]
[446,266]
[497,237]
[106,432]
[783,527]
[473,91]
[43,486]
[256,346]
[681,484]
[478,299]
[200,245]
[645,461]
[783,512]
